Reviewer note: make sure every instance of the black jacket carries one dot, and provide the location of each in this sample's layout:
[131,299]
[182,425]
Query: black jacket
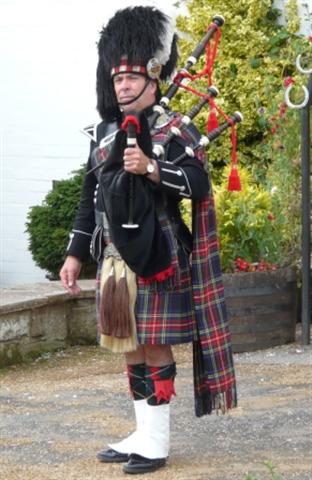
[189,179]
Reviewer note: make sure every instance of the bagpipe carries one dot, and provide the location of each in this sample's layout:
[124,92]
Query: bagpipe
[128,198]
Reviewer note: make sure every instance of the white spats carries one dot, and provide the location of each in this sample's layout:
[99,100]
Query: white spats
[153,442]
[129,444]
[151,438]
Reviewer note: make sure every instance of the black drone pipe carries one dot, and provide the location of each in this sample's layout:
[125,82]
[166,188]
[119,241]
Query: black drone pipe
[206,139]
[218,21]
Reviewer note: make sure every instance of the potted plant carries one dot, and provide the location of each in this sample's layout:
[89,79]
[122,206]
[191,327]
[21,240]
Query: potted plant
[260,288]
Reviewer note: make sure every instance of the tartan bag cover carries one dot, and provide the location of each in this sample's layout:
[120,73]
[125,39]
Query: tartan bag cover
[214,376]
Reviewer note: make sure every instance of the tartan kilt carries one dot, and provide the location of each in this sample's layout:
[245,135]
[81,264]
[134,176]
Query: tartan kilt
[164,311]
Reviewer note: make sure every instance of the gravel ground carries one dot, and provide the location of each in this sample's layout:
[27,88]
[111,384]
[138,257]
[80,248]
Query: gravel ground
[58,411]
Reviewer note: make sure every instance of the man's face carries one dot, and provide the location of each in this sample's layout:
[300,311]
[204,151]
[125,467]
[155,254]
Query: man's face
[128,86]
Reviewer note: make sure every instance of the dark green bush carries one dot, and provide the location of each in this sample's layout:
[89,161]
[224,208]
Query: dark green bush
[49,224]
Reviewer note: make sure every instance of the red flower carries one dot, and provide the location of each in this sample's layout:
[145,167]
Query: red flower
[244,266]
[271,217]
[282,109]
[288,81]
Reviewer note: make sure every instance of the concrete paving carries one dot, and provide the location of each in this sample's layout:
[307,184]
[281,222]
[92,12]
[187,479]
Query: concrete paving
[58,411]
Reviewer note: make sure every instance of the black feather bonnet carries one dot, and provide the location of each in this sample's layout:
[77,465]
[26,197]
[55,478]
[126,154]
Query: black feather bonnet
[140,39]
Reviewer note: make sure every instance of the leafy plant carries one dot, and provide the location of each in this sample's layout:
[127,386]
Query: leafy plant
[271,470]
[283,175]
[49,224]
[243,69]
[260,226]
[247,227]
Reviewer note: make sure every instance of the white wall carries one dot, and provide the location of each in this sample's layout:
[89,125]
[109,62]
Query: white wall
[42,109]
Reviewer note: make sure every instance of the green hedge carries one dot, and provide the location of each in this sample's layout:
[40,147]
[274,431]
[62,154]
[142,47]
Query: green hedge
[49,224]
[253,57]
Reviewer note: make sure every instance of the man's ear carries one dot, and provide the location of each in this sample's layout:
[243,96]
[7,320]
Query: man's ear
[154,85]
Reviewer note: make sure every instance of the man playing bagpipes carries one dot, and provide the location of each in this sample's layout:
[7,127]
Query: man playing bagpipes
[158,285]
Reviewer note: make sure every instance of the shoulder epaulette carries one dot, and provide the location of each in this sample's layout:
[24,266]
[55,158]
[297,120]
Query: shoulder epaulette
[91,131]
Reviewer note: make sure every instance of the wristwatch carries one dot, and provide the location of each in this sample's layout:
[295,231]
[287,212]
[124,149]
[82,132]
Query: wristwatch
[150,168]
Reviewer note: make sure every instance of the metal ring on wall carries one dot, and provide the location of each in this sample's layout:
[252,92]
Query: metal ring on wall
[300,68]
[295,105]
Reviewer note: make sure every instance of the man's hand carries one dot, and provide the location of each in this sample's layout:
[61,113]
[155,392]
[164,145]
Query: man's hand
[135,161]
[69,274]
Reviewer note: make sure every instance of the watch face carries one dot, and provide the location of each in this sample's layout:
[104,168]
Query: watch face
[150,168]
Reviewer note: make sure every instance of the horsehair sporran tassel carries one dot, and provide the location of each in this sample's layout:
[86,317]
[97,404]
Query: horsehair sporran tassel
[121,300]
[125,323]
[108,285]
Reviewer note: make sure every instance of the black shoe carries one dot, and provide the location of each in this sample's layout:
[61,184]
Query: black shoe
[112,456]
[138,464]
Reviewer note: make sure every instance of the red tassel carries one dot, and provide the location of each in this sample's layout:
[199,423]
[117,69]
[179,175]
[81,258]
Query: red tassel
[212,122]
[164,389]
[234,184]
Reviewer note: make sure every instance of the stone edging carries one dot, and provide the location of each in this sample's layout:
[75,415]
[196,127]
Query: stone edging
[41,317]
[37,294]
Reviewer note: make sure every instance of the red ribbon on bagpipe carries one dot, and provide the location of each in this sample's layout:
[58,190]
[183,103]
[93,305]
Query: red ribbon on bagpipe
[212,123]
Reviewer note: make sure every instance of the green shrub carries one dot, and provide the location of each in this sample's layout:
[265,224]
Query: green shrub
[247,227]
[263,221]
[49,224]
[253,56]
[283,176]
